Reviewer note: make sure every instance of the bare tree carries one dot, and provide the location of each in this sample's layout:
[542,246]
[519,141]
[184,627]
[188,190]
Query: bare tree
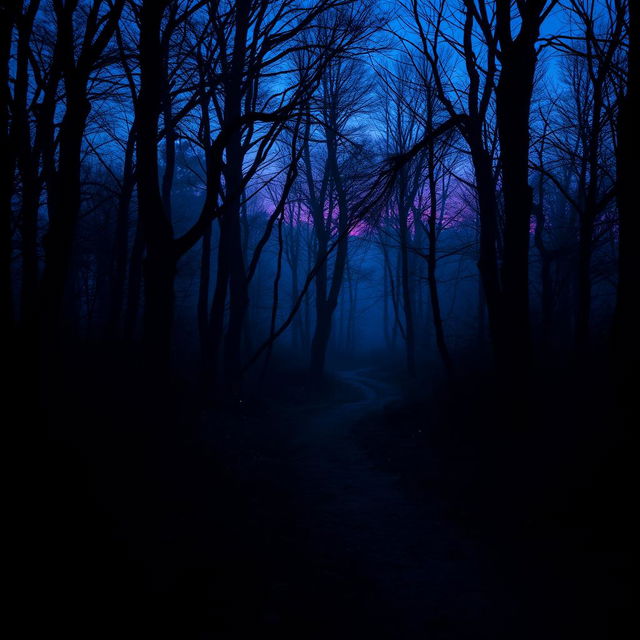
[8,14]
[627,344]
[63,180]
[341,97]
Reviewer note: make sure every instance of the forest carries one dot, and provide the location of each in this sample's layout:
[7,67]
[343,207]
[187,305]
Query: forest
[320,318]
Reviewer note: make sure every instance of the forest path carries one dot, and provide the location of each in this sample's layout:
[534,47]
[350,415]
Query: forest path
[370,560]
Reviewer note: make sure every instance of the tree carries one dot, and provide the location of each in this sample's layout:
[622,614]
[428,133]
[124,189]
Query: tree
[518,56]
[63,178]
[588,122]
[8,14]
[28,161]
[330,186]
[470,112]
[626,341]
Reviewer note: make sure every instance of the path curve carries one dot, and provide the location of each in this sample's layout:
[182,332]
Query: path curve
[411,571]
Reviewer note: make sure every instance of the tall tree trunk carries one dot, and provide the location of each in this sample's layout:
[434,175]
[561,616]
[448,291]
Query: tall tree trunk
[323,320]
[30,271]
[481,314]
[337,279]
[546,282]
[513,103]
[169,142]
[160,261]
[28,161]
[203,291]
[64,187]
[121,241]
[238,285]
[218,303]
[8,12]
[320,342]
[488,241]
[134,285]
[294,252]
[64,197]
[588,218]
[626,338]
[233,172]
[385,300]
[432,264]
[276,298]
[407,303]
[583,312]
[328,305]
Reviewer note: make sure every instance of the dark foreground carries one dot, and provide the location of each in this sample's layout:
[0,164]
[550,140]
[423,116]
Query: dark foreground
[354,511]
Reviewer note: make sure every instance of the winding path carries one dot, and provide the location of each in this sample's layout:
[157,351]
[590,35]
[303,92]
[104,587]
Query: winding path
[383,565]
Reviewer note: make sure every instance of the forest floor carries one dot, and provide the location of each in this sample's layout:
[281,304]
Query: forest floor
[370,559]
[340,512]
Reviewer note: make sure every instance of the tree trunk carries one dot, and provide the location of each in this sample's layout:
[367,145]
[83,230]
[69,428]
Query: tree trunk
[159,298]
[203,292]
[233,173]
[169,140]
[406,292]
[28,161]
[8,11]
[121,243]
[134,286]
[238,303]
[217,313]
[546,281]
[234,268]
[488,241]
[320,342]
[323,323]
[64,196]
[64,186]
[30,272]
[160,261]
[626,339]
[432,263]
[513,103]
[326,307]
[585,249]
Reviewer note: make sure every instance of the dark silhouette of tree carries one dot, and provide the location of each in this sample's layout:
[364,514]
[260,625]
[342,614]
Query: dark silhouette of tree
[339,99]
[63,178]
[8,14]
[517,55]
[626,341]
[471,112]
[590,114]
[410,118]
[504,79]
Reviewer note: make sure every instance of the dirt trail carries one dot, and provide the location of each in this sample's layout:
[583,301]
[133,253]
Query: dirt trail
[388,566]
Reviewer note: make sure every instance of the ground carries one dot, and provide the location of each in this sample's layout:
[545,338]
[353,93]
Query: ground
[339,512]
